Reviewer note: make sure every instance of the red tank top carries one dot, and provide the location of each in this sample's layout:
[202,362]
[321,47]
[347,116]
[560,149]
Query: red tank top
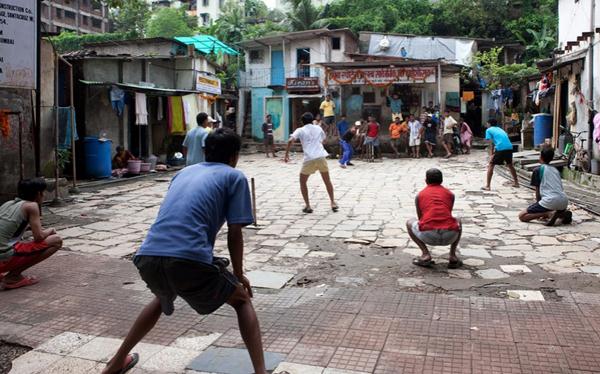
[435,203]
[373,130]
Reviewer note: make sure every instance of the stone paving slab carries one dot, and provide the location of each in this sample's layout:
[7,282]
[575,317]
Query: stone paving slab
[231,361]
[342,330]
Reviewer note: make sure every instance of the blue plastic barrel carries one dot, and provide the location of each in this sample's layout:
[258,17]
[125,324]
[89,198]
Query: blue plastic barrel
[97,157]
[542,128]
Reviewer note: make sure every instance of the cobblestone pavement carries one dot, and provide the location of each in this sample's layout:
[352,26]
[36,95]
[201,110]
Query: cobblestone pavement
[353,304]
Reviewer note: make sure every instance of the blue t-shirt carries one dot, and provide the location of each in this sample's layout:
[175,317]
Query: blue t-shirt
[194,142]
[199,201]
[342,127]
[499,137]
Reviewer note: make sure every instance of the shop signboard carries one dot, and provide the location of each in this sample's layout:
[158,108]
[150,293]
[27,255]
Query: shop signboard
[381,76]
[18,43]
[208,84]
[302,84]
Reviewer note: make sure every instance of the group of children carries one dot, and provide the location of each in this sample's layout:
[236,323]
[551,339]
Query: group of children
[177,260]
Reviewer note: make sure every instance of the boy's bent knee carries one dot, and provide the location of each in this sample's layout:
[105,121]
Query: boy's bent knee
[239,298]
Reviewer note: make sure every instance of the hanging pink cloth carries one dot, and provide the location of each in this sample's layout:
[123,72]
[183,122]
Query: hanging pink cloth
[597,130]
[466,135]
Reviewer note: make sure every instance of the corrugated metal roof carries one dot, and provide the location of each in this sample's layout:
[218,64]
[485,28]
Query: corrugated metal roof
[207,44]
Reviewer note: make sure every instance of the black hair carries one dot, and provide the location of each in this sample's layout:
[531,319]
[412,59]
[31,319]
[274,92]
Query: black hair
[493,122]
[547,154]
[434,176]
[221,145]
[119,148]
[29,188]
[307,118]
[201,118]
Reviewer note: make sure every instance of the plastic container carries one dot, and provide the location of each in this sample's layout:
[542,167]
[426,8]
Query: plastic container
[152,160]
[97,157]
[134,166]
[542,128]
[145,167]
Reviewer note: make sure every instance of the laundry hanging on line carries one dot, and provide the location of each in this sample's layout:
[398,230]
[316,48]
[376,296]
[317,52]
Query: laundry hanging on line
[176,123]
[117,100]
[64,127]
[190,110]
[141,109]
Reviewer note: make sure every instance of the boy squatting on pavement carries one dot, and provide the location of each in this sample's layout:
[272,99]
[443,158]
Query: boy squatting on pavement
[177,260]
[435,224]
[551,202]
[17,255]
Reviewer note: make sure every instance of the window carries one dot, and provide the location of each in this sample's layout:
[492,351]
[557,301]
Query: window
[205,18]
[96,23]
[336,43]
[85,20]
[69,14]
[256,56]
[59,13]
[205,2]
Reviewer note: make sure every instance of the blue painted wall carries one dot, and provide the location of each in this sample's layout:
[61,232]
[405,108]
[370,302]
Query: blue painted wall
[258,112]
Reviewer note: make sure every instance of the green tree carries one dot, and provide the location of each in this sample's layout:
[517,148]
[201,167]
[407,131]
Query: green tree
[168,23]
[131,18]
[255,9]
[305,16]
[231,25]
[487,66]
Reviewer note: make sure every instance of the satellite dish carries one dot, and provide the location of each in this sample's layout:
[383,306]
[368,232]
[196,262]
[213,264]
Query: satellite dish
[384,44]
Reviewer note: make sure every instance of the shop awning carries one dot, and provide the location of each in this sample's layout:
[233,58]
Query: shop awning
[207,44]
[139,88]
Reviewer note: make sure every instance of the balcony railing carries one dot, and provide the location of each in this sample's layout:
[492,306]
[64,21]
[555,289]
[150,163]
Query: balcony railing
[264,77]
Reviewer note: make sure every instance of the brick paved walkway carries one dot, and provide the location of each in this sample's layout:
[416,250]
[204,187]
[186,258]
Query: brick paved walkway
[356,314]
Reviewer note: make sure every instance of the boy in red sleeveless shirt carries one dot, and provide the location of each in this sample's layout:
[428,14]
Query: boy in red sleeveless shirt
[436,225]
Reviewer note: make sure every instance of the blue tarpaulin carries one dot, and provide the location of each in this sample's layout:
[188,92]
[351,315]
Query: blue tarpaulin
[207,44]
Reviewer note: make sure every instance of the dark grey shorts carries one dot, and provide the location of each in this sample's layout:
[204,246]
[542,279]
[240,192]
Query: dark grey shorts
[204,287]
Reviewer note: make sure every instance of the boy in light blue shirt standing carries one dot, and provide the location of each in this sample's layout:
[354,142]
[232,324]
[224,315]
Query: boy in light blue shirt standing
[501,152]
[194,142]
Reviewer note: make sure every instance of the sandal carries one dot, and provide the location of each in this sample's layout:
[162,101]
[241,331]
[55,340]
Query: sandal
[423,263]
[24,282]
[307,210]
[134,360]
[335,208]
[455,264]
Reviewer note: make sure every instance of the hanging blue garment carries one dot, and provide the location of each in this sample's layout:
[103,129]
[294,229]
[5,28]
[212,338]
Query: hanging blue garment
[117,100]
[64,127]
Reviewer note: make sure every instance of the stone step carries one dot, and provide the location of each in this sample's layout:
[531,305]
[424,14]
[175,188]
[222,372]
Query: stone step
[556,163]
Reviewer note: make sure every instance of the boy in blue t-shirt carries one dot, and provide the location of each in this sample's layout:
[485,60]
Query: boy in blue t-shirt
[176,258]
[501,152]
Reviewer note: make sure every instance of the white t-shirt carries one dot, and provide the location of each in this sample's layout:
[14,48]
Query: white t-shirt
[415,128]
[311,137]
[449,123]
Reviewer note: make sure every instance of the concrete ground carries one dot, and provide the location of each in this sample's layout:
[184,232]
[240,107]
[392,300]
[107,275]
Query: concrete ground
[353,302]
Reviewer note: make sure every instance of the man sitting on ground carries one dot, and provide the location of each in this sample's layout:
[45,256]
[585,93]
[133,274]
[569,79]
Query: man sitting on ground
[551,200]
[121,158]
[177,259]
[17,255]
[435,225]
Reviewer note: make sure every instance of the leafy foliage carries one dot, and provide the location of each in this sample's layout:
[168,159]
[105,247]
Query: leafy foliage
[487,66]
[70,41]
[304,16]
[131,18]
[168,23]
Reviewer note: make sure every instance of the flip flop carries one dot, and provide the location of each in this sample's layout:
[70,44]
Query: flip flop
[134,360]
[423,263]
[486,188]
[307,210]
[24,282]
[455,264]
[335,208]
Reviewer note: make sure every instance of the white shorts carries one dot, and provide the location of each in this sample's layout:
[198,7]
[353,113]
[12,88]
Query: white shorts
[414,142]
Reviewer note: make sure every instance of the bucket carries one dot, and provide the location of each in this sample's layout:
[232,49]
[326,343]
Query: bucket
[542,128]
[133,166]
[145,167]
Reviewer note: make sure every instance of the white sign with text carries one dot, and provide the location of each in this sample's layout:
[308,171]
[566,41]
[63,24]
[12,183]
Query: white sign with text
[18,43]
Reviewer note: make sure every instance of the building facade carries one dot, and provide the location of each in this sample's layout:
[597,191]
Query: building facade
[79,16]
[575,70]
[289,74]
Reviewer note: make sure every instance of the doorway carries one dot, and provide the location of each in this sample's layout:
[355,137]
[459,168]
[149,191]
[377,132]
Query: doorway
[274,107]
[301,105]
[277,69]
[303,62]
